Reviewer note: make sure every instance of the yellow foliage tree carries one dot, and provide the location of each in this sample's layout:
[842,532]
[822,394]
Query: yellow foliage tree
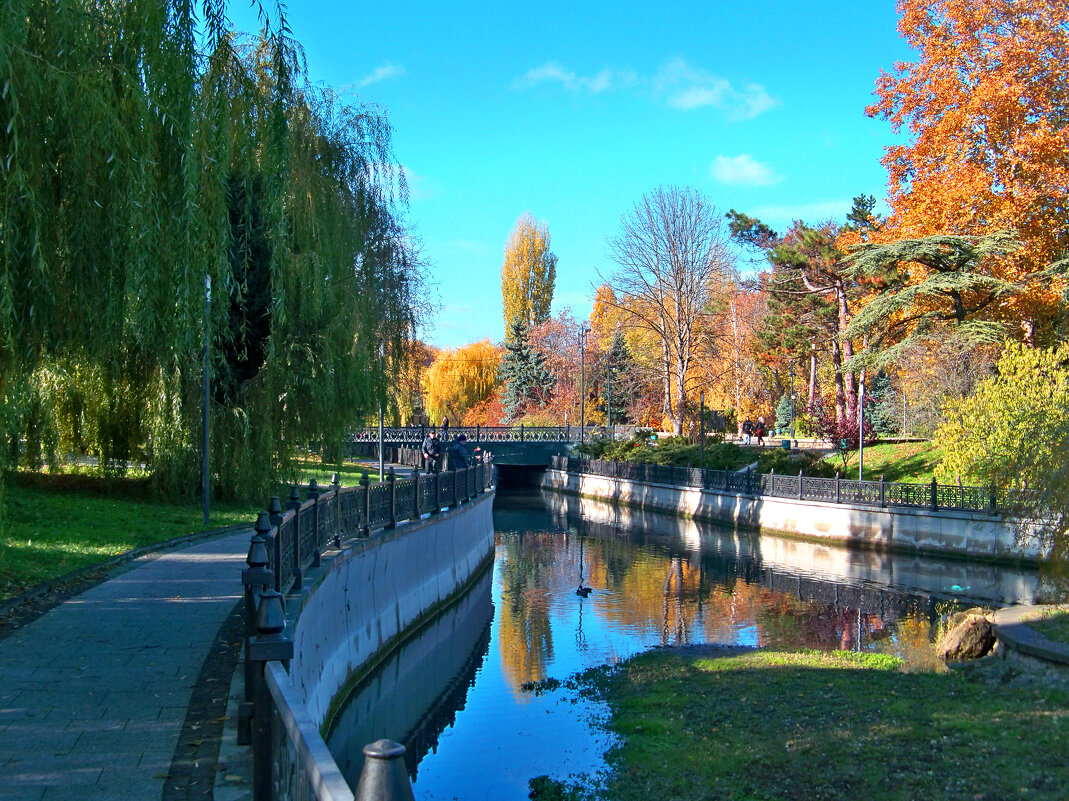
[460,379]
[528,273]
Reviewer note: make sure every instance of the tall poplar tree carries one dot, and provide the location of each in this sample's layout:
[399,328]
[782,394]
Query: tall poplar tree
[528,273]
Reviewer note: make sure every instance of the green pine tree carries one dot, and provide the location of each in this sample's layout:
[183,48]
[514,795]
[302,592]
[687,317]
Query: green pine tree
[784,419]
[527,381]
[882,405]
[617,383]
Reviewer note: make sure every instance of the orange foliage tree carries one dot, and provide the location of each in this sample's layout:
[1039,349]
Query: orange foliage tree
[987,104]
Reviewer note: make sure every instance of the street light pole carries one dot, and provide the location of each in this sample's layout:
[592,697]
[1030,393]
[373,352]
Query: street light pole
[205,476]
[701,428]
[382,471]
[584,329]
[861,429]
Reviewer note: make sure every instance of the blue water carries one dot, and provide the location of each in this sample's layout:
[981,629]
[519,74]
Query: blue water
[454,693]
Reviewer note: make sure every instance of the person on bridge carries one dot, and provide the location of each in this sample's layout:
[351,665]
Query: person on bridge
[458,453]
[445,429]
[432,452]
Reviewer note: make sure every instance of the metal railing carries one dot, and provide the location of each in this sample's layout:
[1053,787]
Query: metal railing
[932,496]
[285,545]
[476,434]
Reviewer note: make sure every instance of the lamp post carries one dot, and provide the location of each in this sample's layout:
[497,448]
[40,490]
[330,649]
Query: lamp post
[584,329]
[205,476]
[382,476]
[701,428]
[861,429]
[791,370]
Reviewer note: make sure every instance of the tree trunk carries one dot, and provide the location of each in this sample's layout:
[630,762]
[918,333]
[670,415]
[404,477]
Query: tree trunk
[812,378]
[849,384]
[840,392]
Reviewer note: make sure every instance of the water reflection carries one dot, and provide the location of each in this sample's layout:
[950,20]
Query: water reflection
[418,690]
[578,584]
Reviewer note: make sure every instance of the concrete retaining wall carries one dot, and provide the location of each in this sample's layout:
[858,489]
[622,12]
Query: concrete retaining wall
[360,600]
[961,533]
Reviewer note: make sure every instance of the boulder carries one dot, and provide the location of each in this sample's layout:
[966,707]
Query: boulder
[971,638]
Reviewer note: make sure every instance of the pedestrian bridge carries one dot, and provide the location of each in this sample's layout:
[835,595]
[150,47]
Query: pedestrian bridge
[512,446]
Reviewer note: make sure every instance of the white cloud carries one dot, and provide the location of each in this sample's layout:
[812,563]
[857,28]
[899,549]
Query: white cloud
[554,71]
[680,84]
[687,87]
[743,170]
[381,73]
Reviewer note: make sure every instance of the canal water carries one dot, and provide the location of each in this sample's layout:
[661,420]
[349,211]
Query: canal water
[577,584]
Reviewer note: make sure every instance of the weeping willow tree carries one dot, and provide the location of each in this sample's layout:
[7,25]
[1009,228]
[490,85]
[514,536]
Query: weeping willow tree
[145,150]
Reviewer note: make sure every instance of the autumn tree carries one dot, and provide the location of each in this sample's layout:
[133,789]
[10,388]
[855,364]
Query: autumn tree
[528,273]
[1013,431]
[986,105]
[671,247]
[461,379]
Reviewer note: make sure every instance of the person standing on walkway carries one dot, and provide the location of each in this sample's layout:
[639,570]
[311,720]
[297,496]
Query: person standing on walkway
[747,431]
[458,453]
[760,431]
[445,429]
[431,451]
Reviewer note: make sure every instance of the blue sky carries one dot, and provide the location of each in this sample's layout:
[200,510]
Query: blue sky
[573,111]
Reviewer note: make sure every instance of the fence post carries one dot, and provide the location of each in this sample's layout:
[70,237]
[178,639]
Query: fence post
[521,432]
[935,496]
[771,483]
[274,538]
[313,495]
[993,496]
[799,485]
[391,479]
[384,775]
[256,578]
[365,483]
[837,486]
[415,493]
[883,491]
[270,645]
[456,495]
[437,493]
[477,434]
[335,482]
[295,505]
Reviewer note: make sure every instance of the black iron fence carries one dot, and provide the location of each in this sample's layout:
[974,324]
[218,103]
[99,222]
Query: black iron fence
[880,493]
[288,761]
[477,434]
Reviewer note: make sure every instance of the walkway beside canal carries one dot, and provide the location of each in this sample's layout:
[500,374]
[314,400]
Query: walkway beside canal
[95,693]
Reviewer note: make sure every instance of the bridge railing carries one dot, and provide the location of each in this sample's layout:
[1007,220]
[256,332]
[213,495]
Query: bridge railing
[933,496]
[475,434]
[285,544]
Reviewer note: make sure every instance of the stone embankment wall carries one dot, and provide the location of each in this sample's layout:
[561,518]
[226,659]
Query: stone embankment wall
[361,600]
[967,534]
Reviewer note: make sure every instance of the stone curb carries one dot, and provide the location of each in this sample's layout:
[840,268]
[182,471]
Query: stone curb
[1011,629]
[12,605]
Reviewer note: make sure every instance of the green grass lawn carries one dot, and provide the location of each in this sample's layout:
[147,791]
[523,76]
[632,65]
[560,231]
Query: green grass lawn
[48,531]
[1053,626]
[840,726]
[913,462]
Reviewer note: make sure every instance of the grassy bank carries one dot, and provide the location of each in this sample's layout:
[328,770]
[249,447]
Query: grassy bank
[773,725]
[914,462]
[51,525]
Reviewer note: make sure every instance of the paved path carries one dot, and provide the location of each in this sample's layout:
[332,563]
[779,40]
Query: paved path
[94,693]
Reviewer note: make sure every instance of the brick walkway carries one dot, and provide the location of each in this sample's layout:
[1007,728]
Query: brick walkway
[94,693]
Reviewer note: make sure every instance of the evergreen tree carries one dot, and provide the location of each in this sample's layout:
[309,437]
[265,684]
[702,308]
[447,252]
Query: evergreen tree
[784,418]
[527,380]
[882,405]
[617,388]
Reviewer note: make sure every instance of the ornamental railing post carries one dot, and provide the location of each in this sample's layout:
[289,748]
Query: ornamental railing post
[415,493]
[771,484]
[274,538]
[456,495]
[295,546]
[883,491]
[837,486]
[384,774]
[335,482]
[521,432]
[477,434]
[270,645]
[437,493]
[365,485]
[993,498]
[256,579]
[935,496]
[391,479]
[313,495]
[799,485]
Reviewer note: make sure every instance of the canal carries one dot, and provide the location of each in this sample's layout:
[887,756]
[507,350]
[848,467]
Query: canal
[577,584]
